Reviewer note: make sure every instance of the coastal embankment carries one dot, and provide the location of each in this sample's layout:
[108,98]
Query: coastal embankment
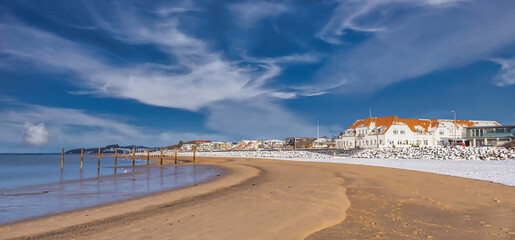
[278,199]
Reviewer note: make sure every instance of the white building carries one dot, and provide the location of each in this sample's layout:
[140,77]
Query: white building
[323,142]
[222,146]
[215,146]
[400,132]
[188,146]
[273,144]
[206,147]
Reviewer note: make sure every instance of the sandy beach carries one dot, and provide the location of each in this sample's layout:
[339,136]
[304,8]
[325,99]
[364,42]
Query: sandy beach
[277,199]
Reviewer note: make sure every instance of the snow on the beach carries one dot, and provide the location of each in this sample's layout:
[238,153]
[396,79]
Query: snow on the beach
[499,171]
[255,154]
[488,170]
[469,153]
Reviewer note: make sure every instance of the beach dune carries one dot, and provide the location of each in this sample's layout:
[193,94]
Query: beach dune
[273,199]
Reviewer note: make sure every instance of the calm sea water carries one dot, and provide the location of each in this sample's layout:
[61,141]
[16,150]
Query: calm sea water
[23,170]
[33,185]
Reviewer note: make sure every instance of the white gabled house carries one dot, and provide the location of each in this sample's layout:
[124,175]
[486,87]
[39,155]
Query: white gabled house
[401,132]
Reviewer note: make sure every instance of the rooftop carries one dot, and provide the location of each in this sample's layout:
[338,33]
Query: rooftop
[426,124]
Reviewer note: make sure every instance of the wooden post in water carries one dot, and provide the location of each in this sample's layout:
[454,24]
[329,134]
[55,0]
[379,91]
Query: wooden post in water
[148,155]
[115,157]
[161,155]
[175,155]
[194,150]
[98,165]
[81,157]
[133,156]
[62,158]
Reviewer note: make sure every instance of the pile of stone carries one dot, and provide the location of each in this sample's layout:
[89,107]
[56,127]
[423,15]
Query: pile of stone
[468,153]
[252,154]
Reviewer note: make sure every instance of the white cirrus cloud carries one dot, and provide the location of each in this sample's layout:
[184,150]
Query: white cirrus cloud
[248,14]
[506,75]
[258,119]
[200,78]
[428,36]
[355,15]
[196,79]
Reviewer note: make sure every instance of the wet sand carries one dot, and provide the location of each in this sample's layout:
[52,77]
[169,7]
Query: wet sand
[21,203]
[271,199]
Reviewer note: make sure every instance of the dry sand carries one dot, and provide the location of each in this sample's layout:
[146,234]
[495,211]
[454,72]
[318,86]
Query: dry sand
[272,199]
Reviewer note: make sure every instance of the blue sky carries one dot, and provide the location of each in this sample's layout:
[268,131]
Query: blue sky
[92,73]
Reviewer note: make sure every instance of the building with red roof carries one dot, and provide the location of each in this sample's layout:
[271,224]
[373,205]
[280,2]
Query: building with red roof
[392,131]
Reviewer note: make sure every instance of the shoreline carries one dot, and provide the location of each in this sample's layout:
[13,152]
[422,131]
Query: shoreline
[278,199]
[39,225]
[101,190]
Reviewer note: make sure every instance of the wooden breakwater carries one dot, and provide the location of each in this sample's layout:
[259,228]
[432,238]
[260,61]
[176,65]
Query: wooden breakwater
[132,154]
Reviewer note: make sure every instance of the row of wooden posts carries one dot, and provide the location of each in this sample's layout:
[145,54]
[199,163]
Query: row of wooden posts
[116,157]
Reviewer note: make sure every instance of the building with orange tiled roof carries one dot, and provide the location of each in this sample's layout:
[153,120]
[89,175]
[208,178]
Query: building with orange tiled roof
[248,145]
[378,132]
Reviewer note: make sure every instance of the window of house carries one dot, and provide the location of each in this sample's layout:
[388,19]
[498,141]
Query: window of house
[441,132]
[425,142]
[402,132]
[395,132]
[381,142]
[367,142]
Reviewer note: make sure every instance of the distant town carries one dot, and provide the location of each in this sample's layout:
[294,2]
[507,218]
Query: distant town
[374,132]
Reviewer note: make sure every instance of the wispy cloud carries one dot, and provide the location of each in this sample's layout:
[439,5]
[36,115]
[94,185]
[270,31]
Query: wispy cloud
[428,36]
[344,17]
[258,118]
[248,14]
[197,79]
[371,16]
[506,75]
[4,98]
